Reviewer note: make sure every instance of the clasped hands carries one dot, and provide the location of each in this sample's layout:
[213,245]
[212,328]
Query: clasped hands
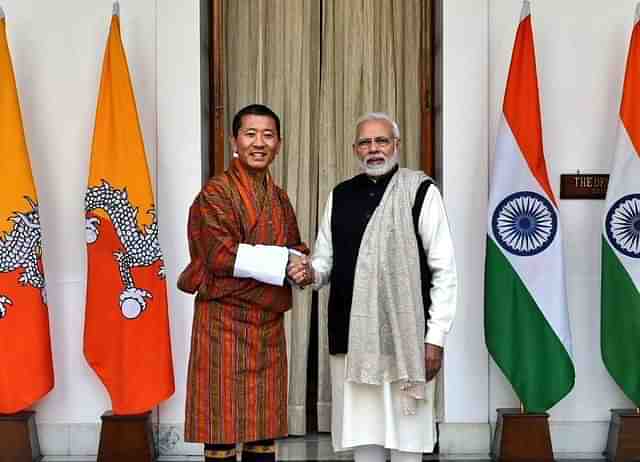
[300,271]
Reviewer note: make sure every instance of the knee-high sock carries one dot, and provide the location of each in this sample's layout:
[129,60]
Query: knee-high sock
[401,456]
[259,451]
[219,452]
[369,454]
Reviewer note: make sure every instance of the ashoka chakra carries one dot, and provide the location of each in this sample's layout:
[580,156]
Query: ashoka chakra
[623,225]
[524,223]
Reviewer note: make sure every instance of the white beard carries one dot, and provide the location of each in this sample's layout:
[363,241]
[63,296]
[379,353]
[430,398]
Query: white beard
[381,169]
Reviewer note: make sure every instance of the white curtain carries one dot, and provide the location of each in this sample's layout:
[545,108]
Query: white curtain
[320,64]
[370,62]
[272,57]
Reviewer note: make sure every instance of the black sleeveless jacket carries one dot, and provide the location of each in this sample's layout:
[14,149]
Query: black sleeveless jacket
[354,202]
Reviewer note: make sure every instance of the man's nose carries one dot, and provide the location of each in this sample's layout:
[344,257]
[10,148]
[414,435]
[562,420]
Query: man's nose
[259,141]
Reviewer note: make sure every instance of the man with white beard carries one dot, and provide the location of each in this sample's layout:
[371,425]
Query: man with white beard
[385,247]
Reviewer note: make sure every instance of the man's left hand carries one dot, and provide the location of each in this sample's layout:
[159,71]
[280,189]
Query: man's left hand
[432,360]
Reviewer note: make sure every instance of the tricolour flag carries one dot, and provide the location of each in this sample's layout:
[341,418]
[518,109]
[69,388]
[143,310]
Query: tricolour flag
[26,367]
[526,320]
[126,337]
[620,324]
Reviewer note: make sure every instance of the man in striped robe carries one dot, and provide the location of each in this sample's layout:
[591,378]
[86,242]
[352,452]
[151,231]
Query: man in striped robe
[242,234]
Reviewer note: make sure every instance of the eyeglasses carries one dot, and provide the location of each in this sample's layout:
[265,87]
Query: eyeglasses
[380,141]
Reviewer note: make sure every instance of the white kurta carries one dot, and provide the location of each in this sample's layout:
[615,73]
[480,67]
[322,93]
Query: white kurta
[369,414]
[364,415]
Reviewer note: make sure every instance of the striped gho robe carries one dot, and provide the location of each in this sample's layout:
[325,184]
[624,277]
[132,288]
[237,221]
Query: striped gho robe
[237,379]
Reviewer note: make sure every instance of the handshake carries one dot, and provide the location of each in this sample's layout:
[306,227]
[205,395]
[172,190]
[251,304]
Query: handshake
[300,271]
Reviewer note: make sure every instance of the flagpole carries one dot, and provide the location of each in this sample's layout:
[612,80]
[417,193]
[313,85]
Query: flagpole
[526,9]
[637,18]
[116,9]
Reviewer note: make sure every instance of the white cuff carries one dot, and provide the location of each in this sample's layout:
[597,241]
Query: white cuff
[295,252]
[435,336]
[264,263]
[317,282]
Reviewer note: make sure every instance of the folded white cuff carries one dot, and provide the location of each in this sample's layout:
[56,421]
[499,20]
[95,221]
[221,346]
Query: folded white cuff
[435,336]
[264,263]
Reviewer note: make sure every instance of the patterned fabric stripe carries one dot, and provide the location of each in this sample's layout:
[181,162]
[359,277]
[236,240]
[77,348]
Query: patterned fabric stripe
[233,351]
[252,383]
[218,454]
[258,449]
[214,394]
[240,400]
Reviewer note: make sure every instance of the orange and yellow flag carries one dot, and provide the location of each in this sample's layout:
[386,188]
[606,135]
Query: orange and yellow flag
[126,336]
[26,374]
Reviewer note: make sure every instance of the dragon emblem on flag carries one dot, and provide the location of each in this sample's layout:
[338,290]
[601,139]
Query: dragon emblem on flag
[21,248]
[140,246]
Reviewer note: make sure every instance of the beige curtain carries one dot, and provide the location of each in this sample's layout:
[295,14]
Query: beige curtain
[272,57]
[370,62]
[320,70]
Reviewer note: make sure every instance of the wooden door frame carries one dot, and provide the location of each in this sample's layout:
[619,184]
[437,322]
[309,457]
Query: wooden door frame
[216,85]
[427,75]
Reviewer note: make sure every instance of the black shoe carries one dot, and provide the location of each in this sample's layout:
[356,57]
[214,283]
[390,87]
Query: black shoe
[259,451]
[220,453]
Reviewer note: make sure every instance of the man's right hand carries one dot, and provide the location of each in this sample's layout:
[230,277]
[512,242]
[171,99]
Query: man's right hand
[300,271]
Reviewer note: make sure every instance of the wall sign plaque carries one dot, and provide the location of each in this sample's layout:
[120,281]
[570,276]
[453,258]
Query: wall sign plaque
[583,186]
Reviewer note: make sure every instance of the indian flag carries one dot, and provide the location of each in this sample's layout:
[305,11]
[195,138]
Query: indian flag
[620,328]
[526,320]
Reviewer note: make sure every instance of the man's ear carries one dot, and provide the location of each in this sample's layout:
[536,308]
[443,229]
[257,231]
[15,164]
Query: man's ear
[278,147]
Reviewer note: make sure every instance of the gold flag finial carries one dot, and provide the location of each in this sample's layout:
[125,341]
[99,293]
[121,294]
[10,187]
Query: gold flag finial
[116,9]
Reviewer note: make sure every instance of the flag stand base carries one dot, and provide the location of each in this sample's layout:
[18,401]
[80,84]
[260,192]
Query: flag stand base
[126,437]
[623,443]
[521,437]
[19,437]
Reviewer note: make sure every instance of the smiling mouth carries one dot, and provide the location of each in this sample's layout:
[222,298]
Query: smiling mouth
[376,161]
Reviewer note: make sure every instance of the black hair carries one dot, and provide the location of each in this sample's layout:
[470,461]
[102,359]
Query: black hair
[254,109]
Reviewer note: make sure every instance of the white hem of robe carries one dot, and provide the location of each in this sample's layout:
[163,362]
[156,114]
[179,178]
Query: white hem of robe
[372,415]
